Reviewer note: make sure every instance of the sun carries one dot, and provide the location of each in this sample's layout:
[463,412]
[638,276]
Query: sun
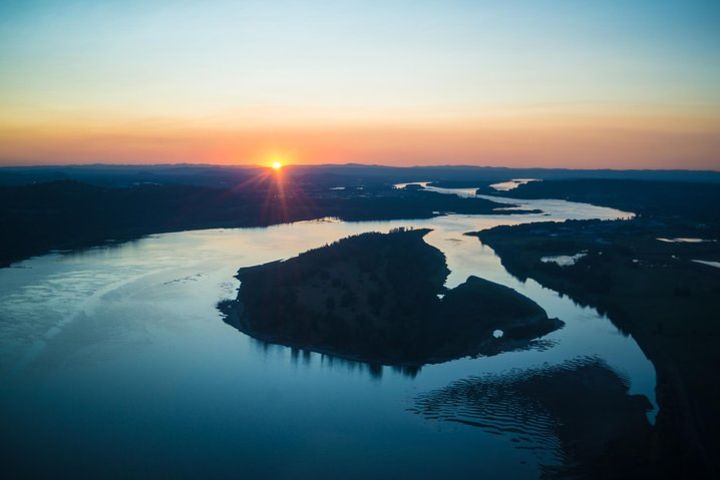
[276,160]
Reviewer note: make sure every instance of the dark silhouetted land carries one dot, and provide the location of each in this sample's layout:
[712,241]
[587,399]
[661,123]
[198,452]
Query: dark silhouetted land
[66,207]
[650,286]
[580,411]
[68,214]
[375,298]
[680,201]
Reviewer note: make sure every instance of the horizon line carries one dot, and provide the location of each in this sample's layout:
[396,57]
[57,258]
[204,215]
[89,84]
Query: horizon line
[348,164]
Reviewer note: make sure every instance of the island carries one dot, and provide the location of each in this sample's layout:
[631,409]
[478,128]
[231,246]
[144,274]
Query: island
[380,298]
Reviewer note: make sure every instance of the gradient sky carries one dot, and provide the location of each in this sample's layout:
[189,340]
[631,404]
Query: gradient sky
[588,84]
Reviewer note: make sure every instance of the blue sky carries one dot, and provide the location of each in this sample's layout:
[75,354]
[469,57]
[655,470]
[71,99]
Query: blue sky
[205,66]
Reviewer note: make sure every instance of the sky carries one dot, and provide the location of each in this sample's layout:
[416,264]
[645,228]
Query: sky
[578,84]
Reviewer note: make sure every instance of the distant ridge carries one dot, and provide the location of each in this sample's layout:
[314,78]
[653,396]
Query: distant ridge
[222,175]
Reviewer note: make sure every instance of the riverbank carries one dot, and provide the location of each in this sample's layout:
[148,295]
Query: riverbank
[67,215]
[652,290]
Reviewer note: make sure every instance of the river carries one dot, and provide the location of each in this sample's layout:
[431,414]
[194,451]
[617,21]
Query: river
[114,361]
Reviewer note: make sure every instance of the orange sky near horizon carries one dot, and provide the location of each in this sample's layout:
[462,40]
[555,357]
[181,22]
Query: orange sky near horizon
[531,83]
[651,141]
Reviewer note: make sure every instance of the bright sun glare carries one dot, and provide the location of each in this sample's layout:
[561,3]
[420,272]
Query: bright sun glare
[276,160]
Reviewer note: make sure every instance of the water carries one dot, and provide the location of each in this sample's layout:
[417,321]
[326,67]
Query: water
[563,260]
[512,184]
[114,361]
[685,240]
[709,263]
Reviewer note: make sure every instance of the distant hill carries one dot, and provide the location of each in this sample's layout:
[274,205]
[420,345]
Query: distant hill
[346,174]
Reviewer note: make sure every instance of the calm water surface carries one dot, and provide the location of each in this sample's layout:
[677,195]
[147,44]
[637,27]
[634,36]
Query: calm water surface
[114,361]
